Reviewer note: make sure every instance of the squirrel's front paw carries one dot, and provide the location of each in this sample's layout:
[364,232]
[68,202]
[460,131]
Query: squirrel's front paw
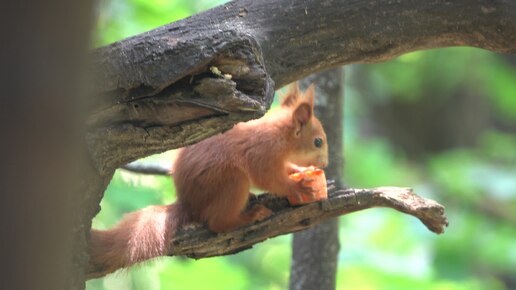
[301,193]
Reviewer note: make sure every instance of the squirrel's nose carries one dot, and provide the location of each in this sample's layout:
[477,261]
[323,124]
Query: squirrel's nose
[323,164]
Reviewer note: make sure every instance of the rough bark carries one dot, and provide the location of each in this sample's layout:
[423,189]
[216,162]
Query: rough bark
[157,90]
[315,251]
[196,241]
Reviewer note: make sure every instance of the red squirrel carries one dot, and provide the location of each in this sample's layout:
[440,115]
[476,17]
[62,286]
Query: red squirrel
[213,179]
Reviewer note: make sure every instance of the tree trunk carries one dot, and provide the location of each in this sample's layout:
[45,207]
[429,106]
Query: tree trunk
[42,61]
[315,251]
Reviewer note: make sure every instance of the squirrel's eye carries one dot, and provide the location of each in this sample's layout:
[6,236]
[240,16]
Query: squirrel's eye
[318,142]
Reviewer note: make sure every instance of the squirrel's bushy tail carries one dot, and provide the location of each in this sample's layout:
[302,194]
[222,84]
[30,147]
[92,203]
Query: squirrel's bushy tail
[138,237]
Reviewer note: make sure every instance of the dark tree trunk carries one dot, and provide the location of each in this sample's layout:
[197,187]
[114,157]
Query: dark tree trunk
[44,44]
[314,257]
[315,251]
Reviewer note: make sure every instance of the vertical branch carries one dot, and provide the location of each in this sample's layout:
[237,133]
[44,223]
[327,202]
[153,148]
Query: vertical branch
[314,253]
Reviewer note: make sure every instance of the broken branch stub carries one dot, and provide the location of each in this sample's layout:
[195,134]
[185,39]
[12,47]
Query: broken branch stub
[210,83]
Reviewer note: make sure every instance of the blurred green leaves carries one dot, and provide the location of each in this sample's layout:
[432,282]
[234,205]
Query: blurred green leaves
[128,192]
[442,71]
[212,273]
[477,184]
[374,162]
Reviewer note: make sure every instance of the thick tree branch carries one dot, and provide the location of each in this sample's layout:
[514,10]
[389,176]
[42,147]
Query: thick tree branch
[188,80]
[196,241]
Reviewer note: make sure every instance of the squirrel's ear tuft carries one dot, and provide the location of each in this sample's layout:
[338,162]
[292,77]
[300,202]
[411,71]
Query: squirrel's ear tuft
[291,96]
[309,95]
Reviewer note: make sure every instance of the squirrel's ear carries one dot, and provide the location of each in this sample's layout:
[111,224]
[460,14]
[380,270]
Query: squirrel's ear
[309,95]
[301,116]
[290,97]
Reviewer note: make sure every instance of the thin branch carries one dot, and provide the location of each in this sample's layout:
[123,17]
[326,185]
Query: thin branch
[148,169]
[197,241]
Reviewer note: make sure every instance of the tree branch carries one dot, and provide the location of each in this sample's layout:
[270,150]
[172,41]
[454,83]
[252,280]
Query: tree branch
[183,82]
[197,241]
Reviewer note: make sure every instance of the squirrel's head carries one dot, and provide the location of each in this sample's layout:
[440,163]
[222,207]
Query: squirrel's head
[310,146]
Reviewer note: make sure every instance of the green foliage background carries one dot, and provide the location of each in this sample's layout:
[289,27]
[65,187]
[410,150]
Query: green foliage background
[381,249]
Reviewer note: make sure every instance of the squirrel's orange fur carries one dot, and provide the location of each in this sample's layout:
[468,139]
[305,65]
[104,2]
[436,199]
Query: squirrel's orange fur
[213,178]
